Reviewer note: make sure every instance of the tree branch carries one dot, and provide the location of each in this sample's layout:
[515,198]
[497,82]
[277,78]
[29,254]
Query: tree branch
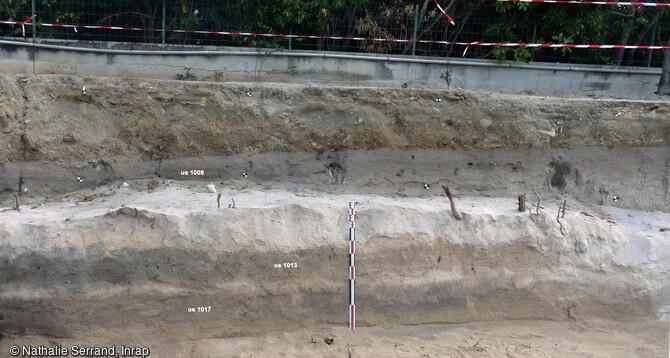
[123,13]
[652,23]
[623,16]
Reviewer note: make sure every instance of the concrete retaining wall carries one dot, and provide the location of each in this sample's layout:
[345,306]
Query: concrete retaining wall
[240,64]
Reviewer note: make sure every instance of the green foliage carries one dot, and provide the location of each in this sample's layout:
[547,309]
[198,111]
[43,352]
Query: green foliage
[518,54]
[500,53]
[68,17]
[188,76]
[291,12]
[644,84]
[190,22]
[219,76]
[525,22]
[446,76]
[476,21]
[522,54]
[562,39]
[14,10]
[502,32]
[642,21]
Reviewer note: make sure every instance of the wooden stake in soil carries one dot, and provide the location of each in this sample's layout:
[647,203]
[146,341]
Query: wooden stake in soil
[218,200]
[16,200]
[522,202]
[451,202]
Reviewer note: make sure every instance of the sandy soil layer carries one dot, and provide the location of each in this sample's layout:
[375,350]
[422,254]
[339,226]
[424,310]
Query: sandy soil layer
[513,339]
[122,120]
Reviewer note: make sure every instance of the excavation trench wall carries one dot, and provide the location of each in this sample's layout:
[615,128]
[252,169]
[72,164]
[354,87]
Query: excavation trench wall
[416,265]
[141,256]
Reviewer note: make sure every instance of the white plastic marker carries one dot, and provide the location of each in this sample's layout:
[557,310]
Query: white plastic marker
[352,268]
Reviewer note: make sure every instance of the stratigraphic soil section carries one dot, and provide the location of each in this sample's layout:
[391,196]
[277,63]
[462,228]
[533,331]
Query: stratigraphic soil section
[118,237]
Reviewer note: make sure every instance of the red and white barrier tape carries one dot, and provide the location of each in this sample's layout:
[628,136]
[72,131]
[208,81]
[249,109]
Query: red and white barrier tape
[618,3]
[255,34]
[597,217]
[352,268]
[27,21]
[445,13]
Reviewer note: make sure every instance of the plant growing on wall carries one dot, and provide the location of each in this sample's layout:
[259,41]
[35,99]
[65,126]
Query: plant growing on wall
[188,76]
[446,76]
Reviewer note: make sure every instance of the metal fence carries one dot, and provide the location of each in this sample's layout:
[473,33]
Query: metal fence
[475,21]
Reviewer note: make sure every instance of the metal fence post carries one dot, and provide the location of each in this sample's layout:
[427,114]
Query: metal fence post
[532,53]
[649,53]
[163,28]
[34,20]
[416,27]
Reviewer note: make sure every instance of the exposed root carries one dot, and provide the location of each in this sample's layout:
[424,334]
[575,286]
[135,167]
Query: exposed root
[537,211]
[457,215]
[131,213]
[563,214]
[559,221]
[561,208]
[477,347]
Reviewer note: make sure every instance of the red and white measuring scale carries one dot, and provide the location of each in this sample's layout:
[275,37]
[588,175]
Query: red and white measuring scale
[352,268]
